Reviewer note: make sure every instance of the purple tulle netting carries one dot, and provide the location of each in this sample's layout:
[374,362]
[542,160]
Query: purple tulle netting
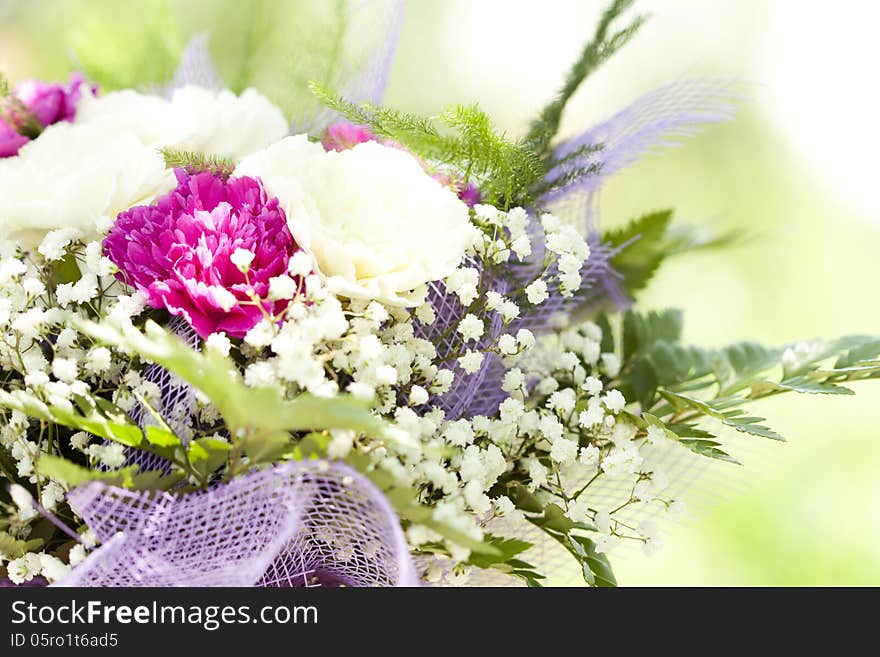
[308,523]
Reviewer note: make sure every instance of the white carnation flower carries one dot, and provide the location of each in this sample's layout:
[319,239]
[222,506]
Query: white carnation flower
[195,119]
[377,225]
[75,177]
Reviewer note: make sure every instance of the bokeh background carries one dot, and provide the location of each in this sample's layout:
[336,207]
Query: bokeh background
[796,169]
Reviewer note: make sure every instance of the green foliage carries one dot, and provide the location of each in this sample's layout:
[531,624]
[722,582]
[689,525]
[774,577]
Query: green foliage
[406,504]
[5,88]
[601,48]
[104,420]
[74,475]
[119,54]
[709,448]
[13,548]
[679,386]
[641,242]
[85,416]
[647,241]
[506,560]
[595,567]
[256,411]
[279,47]
[193,162]
[462,137]
[257,418]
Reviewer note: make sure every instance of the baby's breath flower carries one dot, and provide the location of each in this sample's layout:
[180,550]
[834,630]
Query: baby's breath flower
[282,287]
[614,401]
[514,379]
[219,343]
[418,396]
[242,258]
[507,344]
[525,338]
[64,369]
[537,292]
[471,361]
[426,314]
[471,327]
[458,433]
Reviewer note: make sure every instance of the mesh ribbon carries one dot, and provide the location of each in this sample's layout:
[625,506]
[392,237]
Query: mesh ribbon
[297,524]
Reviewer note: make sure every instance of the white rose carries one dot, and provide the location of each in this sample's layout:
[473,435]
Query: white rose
[377,226]
[76,177]
[195,119]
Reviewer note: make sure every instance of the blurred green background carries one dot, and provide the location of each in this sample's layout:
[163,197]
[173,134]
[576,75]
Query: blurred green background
[796,169]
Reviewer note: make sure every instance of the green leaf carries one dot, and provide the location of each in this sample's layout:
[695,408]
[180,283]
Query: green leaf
[554,518]
[507,549]
[651,420]
[242,407]
[405,503]
[751,425]
[800,384]
[13,548]
[643,381]
[161,437]
[156,480]
[688,430]
[677,365]
[266,447]
[607,344]
[642,331]
[682,402]
[74,475]
[65,270]
[206,455]
[747,360]
[595,566]
[708,448]
[312,445]
[93,422]
[597,51]
[644,251]
[524,500]
[868,351]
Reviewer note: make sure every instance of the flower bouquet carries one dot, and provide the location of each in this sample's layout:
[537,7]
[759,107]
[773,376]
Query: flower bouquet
[372,348]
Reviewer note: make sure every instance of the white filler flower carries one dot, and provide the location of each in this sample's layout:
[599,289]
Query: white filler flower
[76,177]
[195,119]
[376,224]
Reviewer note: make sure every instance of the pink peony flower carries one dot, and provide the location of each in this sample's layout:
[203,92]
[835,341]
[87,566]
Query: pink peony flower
[178,251]
[10,141]
[343,135]
[470,194]
[43,102]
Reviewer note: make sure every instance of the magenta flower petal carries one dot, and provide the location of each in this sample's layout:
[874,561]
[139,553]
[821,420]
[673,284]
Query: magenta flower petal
[47,102]
[343,135]
[10,140]
[177,252]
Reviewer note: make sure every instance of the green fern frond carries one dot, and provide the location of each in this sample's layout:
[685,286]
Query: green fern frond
[599,50]
[383,121]
[193,162]
[463,138]
[511,168]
